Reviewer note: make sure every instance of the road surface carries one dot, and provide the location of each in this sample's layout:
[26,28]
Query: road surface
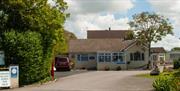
[97,81]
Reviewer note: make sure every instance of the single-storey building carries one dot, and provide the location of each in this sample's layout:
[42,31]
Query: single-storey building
[158,55]
[108,51]
[173,55]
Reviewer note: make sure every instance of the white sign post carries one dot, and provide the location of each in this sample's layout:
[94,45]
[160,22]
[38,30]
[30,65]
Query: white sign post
[14,72]
[4,79]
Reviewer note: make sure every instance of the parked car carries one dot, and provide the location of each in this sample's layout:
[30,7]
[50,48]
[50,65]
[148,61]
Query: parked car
[62,63]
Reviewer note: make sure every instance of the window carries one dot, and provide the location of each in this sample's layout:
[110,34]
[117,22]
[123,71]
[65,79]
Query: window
[137,56]
[79,57]
[101,57]
[107,57]
[91,58]
[142,56]
[120,57]
[84,57]
[115,57]
[131,56]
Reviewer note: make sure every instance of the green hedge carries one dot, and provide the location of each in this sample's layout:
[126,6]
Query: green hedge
[26,50]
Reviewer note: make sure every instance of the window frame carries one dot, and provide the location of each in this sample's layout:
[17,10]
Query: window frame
[137,56]
[80,57]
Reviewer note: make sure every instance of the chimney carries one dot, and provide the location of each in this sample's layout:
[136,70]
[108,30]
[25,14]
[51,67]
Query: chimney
[109,28]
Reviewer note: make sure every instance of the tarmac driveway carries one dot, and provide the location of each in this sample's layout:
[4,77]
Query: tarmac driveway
[97,81]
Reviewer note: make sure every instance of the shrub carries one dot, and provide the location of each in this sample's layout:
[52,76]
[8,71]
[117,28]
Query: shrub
[26,50]
[176,63]
[118,68]
[165,83]
[162,84]
[106,68]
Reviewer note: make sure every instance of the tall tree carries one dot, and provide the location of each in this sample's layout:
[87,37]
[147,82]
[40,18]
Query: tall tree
[44,17]
[150,27]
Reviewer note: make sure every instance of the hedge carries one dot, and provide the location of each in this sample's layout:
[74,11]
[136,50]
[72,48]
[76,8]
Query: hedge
[26,50]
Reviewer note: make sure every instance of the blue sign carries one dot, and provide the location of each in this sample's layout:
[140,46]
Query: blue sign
[14,71]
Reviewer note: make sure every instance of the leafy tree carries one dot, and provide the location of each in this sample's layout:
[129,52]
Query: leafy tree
[38,16]
[150,27]
[130,35]
[175,49]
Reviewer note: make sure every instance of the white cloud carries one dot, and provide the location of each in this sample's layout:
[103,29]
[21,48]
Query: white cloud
[168,42]
[95,22]
[97,6]
[170,9]
[87,14]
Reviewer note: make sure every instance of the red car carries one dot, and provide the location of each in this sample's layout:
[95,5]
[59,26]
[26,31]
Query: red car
[62,63]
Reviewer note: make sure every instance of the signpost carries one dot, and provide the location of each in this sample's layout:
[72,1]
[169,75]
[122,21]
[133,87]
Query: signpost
[4,79]
[14,72]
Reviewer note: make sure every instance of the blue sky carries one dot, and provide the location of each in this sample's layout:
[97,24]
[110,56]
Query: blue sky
[139,6]
[102,14]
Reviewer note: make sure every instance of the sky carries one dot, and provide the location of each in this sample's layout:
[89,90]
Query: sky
[102,14]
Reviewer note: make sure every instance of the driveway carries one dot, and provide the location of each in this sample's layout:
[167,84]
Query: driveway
[97,81]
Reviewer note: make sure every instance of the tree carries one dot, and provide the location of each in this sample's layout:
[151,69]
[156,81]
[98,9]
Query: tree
[39,16]
[150,27]
[130,35]
[175,49]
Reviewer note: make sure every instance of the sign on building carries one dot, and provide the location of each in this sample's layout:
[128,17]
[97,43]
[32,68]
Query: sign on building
[4,79]
[2,58]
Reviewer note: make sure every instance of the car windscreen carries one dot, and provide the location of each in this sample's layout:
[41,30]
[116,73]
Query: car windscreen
[62,59]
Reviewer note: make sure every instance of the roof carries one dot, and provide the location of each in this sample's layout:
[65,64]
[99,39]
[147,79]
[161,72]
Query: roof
[95,45]
[158,50]
[94,34]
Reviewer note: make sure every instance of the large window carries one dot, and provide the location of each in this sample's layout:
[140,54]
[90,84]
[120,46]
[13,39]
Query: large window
[117,57]
[110,57]
[107,57]
[137,56]
[82,57]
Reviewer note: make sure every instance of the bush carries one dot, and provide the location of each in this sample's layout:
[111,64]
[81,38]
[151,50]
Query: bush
[118,68]
[163,83]
[167,83]
[26,50]
[106,68]
[176,63]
